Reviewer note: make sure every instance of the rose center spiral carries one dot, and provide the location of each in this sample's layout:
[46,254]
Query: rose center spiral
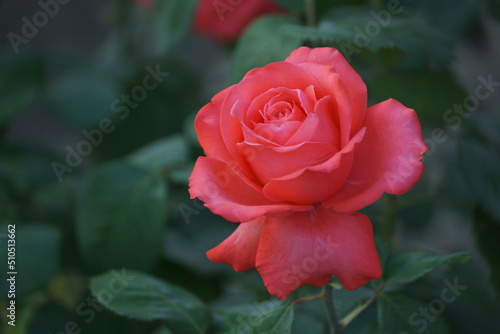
[280,113]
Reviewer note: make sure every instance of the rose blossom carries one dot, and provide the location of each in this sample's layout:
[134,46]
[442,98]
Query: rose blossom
[225,20]
[292,151]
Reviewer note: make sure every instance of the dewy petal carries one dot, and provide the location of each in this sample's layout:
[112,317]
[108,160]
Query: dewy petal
[271,162]
[316,183]
[308,247]
[227,194]
[350,79]
[387,160]
[240,248]
[207,126]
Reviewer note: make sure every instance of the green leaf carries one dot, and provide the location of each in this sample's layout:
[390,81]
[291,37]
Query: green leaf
[310,317]
[25,167]
[407,267]
[37,257]
[452,18]
[346,301]
[20,82]
[163,153]
[327,32]
[162,330]
[487,233]
[120,218]
[264,42]
[83,96]
[140,296]
[429,93]
[181,175]
[172,22]
[353,29]
[400,314]
[265,318]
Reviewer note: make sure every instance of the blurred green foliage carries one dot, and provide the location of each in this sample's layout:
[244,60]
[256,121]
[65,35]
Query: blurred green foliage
[94,163]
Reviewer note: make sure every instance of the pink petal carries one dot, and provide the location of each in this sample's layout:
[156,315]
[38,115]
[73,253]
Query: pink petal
[227,194]
[240,248]
[309,247]
[224,21]
[271,162]
[317,183]
[207,126]
[255,82]
[350,79]
[319,126]
[274,75]
[387,160]
[253,112]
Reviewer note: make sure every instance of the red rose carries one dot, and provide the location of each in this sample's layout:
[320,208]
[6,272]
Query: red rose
[292,151]
[225,20]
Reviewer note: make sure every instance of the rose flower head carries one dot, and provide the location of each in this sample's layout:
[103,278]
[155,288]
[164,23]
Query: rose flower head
[225,20]
[292,152]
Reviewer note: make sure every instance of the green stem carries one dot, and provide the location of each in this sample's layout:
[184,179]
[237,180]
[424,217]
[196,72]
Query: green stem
[310,10]
[357,311]
[307,298]
[333,319]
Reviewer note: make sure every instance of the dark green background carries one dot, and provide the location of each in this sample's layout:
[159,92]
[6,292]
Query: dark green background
[126,203]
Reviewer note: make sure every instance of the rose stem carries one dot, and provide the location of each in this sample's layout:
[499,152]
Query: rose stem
[333,320]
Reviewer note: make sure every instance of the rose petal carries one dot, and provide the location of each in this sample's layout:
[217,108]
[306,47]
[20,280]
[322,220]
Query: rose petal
[207,126]
[277,134]
[309,247]
[240,248]
[225,21]
[316,183]
[387,160]
[309,59]
[278,75]
[253,113]
[264,136]
[227,194]
[319,126]
[254,83]
[272,162]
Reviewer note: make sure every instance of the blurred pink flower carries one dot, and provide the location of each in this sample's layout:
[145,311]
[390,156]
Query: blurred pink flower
[225,20]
